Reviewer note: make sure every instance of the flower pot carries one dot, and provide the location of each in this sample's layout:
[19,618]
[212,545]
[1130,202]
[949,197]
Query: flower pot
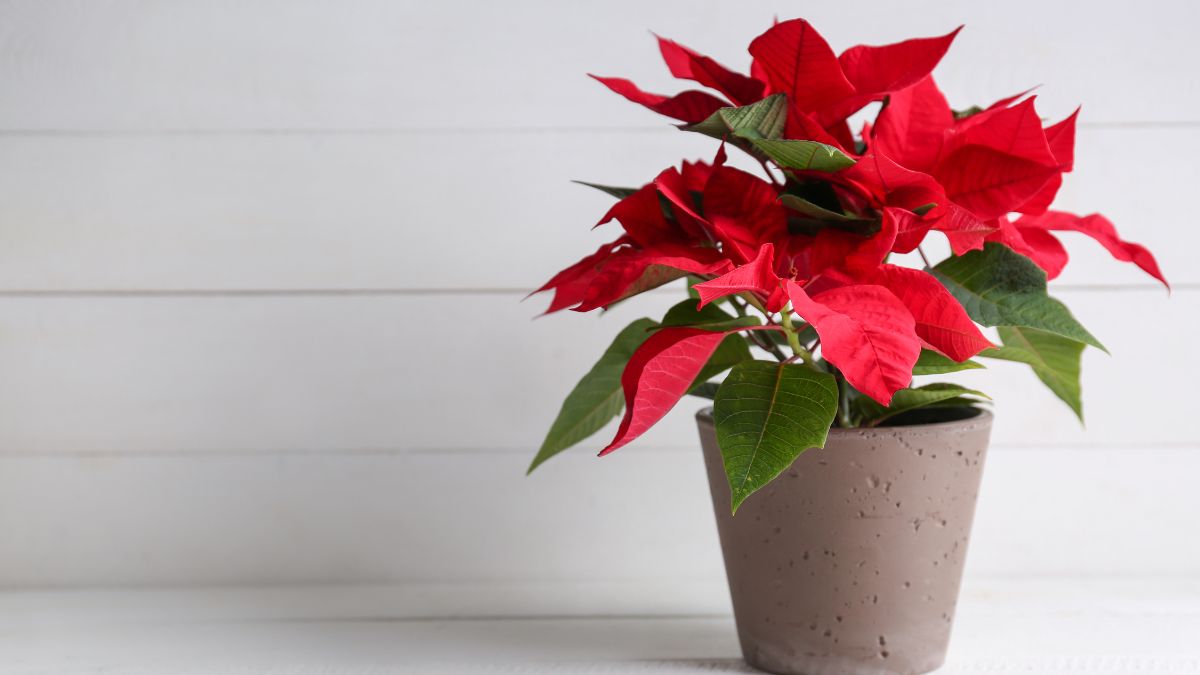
[850,561]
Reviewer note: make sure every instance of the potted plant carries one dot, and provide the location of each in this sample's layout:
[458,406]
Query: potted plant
[845,559]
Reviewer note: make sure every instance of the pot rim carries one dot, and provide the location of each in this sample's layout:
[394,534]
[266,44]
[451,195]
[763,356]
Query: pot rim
[984,419]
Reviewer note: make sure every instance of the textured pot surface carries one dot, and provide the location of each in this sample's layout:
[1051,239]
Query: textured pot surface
[850,561]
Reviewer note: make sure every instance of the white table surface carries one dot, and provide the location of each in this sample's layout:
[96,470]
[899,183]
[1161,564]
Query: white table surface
[1022,625]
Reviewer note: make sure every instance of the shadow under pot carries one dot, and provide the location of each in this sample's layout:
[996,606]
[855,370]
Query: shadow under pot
[849,562]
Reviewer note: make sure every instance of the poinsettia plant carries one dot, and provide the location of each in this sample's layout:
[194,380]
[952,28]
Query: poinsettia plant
[788,272]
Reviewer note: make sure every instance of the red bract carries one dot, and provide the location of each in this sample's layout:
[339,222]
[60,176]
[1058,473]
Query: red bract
[866,332]
[912,126]
[743,211]
[659,373]
[876,72]
[621,269]
[1095,226]
[757,277]
[902,191]
[690,106]
[798,62]
[688,65]
[941,322]
[807,246]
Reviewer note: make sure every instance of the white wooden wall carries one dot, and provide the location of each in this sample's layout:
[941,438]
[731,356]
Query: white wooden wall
[261,263]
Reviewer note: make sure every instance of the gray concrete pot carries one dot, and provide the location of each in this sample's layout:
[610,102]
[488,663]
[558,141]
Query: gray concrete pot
[850,561]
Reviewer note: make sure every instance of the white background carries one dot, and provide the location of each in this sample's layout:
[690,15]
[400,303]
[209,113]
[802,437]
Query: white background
[261,265]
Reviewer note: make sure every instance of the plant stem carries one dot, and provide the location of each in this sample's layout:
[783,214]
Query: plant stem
[739,305]
[844,419]
[767,170]
[766,345]
[753,302]
[923,257]
[793,336]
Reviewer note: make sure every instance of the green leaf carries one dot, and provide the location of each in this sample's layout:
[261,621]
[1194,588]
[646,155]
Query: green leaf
[759,126]
[964,114]
[766,414]
[803,155]
[956,402]
[1055,360]
[732,351]
[706,390]
[764,119]
[933,363]
[597,398]
[652,277]
[1000,287]
[688,313]
[778,337]
[907,400]
[711,317]
[618,192]
[802,205]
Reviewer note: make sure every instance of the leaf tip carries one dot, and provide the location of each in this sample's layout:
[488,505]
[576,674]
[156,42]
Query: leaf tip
[538,459]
